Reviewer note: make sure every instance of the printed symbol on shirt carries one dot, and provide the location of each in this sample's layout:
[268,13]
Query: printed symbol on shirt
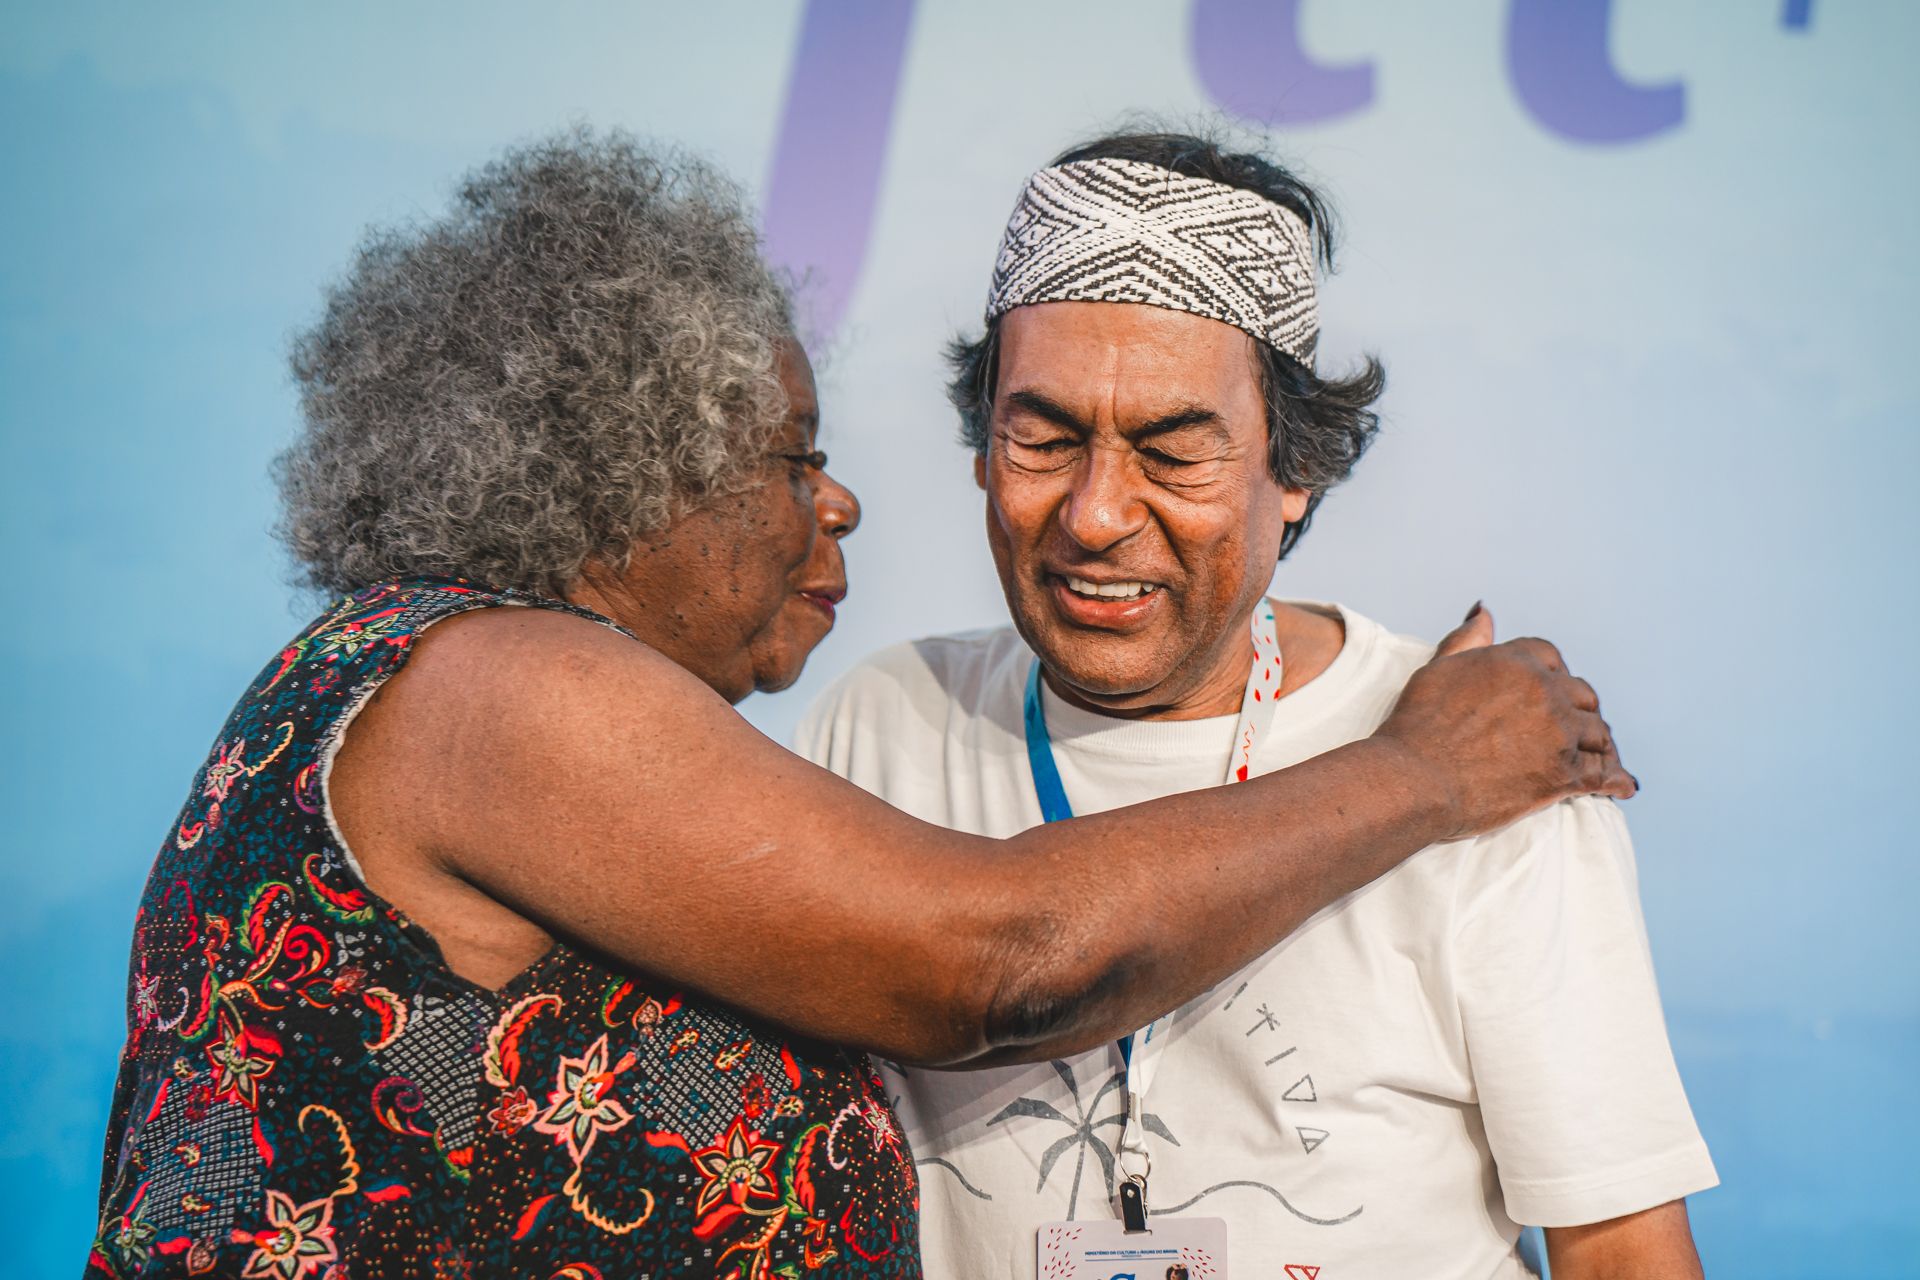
[935,1162]
[1302,1091]
[1301,1271]
[1284,1053]
[1310,1139]
[1237,992]
[1081,1137]
[1267,1020]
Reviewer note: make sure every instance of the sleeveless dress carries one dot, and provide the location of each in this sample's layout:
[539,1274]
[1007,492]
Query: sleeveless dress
[309,1093]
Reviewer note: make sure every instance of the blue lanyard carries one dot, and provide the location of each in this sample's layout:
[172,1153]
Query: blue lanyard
[1046,774]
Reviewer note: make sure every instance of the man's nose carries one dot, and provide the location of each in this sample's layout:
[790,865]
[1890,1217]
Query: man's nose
[1103,507]
[835,507]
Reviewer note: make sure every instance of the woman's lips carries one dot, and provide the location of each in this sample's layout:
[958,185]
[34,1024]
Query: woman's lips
[825,600]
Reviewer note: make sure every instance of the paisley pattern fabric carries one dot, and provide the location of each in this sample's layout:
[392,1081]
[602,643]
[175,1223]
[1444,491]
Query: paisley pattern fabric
[309,1093]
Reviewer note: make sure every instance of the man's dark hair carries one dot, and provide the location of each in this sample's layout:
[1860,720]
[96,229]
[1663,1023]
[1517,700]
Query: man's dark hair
[1317,427]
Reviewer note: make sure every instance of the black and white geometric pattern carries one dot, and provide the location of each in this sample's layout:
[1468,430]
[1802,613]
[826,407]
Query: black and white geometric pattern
[1123,231]
[694,1090]
[435,1054]
[211,1172]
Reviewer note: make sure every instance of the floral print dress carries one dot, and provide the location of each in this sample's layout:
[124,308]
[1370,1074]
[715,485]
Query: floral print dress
[309,1093]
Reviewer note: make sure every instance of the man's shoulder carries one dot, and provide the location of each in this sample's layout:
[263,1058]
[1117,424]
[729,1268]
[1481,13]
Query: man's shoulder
[1593,825]
[1359,690]
[1388,659]
[1581,827]
[963,660]
[923,682]
[1352,693]
[1576,855]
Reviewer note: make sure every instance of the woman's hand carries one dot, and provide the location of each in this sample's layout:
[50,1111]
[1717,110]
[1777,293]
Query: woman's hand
[1504,729]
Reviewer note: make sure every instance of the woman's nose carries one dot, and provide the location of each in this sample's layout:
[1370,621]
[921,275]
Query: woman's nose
[836,507]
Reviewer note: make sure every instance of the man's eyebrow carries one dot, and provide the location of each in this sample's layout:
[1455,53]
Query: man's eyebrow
[1192,415]
[1040,406]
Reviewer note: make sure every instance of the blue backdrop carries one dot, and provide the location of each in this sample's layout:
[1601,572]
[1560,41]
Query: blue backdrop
[1641,273]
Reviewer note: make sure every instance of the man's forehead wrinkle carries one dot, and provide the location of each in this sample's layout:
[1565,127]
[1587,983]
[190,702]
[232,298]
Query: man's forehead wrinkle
[1170,377]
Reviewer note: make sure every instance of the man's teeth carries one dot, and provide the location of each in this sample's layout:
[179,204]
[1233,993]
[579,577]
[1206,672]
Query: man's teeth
[1109,590]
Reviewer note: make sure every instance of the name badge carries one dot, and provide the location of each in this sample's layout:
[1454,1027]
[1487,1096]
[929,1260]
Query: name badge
[1103,1249]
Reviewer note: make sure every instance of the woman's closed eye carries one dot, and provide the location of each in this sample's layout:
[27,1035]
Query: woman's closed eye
[810,459]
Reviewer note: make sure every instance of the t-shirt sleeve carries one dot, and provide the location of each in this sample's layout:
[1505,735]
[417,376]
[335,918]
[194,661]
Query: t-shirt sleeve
[1583,1106]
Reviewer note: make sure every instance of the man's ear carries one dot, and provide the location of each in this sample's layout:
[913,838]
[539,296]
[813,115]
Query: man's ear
[1293,503]
[980,469]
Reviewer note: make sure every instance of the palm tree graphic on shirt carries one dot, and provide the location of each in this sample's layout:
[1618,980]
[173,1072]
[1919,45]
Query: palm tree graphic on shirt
[1083,1128]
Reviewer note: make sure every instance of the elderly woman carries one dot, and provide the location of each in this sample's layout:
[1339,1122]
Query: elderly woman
[492,942]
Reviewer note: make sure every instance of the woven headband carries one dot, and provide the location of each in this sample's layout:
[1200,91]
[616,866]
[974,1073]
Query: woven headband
[1123,231]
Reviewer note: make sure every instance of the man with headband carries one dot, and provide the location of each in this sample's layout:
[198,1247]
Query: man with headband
[1472,1043]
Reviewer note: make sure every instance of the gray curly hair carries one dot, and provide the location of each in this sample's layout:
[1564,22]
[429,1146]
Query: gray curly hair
[582,348]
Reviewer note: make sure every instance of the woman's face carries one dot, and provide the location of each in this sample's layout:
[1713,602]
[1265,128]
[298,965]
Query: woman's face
[805,513]
[740,591]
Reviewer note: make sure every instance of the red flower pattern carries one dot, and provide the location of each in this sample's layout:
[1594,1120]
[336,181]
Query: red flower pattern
[513,1112]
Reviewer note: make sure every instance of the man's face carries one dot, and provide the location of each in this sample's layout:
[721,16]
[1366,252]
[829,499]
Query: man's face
[1129,506]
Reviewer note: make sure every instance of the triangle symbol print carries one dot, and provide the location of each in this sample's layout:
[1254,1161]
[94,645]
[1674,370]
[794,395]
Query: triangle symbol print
[1300,1271]
[1302,1091]
[1311,1138]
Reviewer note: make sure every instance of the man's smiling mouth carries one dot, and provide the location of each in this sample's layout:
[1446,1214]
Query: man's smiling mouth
[1125,590]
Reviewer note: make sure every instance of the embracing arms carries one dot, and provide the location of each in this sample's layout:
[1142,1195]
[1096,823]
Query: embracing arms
[532,775]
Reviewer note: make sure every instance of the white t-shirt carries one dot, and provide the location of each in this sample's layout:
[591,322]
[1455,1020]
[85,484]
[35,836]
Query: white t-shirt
[1472,1041]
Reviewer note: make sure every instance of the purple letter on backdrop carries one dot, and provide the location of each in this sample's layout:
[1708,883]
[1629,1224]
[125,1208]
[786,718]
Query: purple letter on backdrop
[1248,55]
[1557,56]
[833,139]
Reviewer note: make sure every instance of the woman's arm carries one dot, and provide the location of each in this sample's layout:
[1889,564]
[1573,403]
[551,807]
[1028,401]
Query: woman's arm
[528,766]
